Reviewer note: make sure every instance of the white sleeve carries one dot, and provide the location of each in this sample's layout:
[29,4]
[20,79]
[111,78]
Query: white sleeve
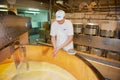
[70,26]
[52,30]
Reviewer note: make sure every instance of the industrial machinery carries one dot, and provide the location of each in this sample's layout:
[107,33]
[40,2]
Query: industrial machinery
[11,27]
[100,44]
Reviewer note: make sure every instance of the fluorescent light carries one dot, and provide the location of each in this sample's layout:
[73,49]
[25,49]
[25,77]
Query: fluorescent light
[3,6]
[3,10]
[32,9]
[31,12]
[59,1]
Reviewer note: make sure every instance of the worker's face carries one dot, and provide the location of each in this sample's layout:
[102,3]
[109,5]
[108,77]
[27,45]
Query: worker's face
[61,21]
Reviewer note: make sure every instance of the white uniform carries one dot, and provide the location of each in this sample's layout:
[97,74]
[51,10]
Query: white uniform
[62,31]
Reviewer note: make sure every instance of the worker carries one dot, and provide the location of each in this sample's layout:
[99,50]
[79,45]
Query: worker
[62,33]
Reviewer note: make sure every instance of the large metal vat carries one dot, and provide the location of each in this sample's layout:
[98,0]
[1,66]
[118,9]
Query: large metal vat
[96,51]
[108,29]
[91,29]
[75,66]
[78,28]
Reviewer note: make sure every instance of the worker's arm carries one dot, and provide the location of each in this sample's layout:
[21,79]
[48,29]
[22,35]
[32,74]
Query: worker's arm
[69,40]
[53,40]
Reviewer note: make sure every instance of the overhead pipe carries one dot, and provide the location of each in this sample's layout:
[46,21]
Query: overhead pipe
[55,5]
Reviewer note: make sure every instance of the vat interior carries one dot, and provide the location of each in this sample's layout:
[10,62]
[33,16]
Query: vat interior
[42,71]
[36,71]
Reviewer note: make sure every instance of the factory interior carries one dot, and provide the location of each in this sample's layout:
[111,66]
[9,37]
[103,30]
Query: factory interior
[26,47]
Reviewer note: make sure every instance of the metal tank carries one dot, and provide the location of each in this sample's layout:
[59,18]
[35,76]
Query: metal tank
[91,29]
[78,28]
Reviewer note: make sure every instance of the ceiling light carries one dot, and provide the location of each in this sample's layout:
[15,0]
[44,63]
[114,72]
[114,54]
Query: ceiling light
[3,6]
[32,9]
[59,1]
[3,10]
[31,12]
[41,3]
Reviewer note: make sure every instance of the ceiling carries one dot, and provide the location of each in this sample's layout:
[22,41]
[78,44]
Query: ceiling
[69,5]
[83,5]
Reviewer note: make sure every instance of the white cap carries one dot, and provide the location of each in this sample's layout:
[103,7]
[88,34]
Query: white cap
[60,14]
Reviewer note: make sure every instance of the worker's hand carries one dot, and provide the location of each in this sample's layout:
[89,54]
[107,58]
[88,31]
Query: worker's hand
[55,51]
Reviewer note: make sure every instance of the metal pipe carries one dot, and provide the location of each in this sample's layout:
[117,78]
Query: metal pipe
[25,57]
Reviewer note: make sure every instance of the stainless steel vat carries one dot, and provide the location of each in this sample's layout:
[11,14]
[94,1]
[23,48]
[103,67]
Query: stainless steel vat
[96,51]
[91,29]
[78,28]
